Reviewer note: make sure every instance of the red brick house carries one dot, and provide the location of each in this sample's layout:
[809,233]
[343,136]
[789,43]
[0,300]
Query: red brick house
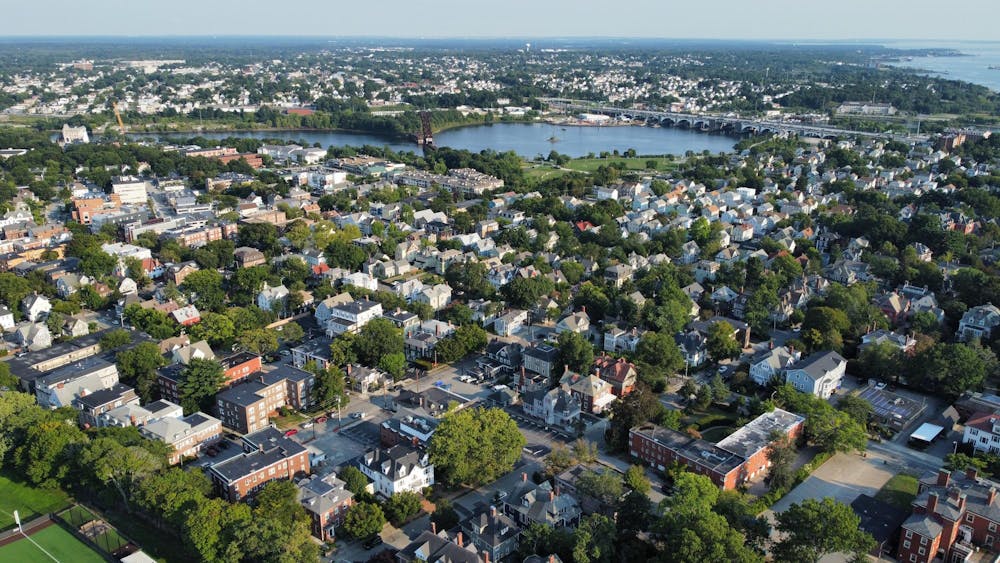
[267,455]
[954,516]
[736,460]
[326,502]
[621,374]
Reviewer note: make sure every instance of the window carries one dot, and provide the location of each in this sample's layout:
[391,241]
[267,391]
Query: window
[909,533]
[906,545]
[923,541]
[970,518]
[913,559]
[993,526]
[922,551]
[989,540]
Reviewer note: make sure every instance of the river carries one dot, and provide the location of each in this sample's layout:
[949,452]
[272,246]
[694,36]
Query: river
[526,139]
[973,67]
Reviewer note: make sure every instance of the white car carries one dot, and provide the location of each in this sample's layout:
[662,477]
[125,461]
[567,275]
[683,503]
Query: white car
[357,415]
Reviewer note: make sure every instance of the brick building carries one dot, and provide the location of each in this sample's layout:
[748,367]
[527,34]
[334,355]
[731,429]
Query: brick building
[326,502]
[267,455]
[246,407]
[955,515]
[185,436]
[735,460]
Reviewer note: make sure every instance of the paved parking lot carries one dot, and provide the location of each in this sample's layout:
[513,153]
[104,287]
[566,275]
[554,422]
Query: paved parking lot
[844,477]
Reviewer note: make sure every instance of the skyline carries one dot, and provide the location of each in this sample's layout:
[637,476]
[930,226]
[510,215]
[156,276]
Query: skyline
[780,20]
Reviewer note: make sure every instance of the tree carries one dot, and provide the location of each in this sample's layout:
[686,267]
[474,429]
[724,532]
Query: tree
[634,512]
[880,360]
[262,236]
[594,540]
[722,344]
[378,339]
[115,339]
[200,381]
[559,459]
[635,479]
[292,332]
[121,466]
[604,486]
[215,328]
[261,341]
[575,352]
[950,369]
[364,519]
[204,288]
[7,380]
[814,528]
[444,516]
[48,450]
[475,446]
[401,507]
[394,365]
[855,407]
[138,366]
[13,289]
[657,354]
[781,456]
[329,386]
[638,407]
[354,480]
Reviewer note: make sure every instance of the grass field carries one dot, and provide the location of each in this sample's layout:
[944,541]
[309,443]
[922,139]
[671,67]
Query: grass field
[60,544]
[899,491]
[28,500]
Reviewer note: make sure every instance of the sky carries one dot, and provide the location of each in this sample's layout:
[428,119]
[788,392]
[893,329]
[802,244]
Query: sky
[698,19]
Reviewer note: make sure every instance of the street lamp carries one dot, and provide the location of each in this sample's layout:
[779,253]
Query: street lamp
[954,449]
[339,424]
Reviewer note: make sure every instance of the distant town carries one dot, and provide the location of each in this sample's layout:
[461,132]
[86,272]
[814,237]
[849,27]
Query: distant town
[243,348]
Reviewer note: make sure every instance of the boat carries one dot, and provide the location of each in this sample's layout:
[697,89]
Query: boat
[994,67]
[553,139]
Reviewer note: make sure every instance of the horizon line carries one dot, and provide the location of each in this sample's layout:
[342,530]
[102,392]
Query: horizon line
[495,38]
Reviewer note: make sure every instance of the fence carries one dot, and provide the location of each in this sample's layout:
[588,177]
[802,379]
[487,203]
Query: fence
[97,532]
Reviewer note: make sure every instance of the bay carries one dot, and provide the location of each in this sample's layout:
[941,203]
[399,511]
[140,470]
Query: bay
[973,66]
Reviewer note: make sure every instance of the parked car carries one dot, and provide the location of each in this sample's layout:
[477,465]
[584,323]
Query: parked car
[372,542]
[321,420]
[357,415]
[307,425]
[290,433]
[285,353]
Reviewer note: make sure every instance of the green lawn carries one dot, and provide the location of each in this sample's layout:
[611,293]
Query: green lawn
[636,163]
[27,500]
[899,491]
[77,516]
[60,544]
[716,433]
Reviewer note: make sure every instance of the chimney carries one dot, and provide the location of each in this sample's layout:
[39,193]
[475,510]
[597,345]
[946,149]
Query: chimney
[552,559]
[486,557]
[434,528]
[524,477]
[458,540]
[552,496]
[971,473]
[943,477]
[932,500]
[583,308]
[597,372]
[348,369]
[556,491]
[493,509]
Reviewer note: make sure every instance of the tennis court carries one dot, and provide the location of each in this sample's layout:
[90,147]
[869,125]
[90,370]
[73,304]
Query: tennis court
[61,546]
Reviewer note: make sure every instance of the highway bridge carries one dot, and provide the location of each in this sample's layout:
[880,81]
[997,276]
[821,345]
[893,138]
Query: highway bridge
[721,123]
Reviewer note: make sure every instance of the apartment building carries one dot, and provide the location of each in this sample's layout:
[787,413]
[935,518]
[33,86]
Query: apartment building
[267,455]
[186,436]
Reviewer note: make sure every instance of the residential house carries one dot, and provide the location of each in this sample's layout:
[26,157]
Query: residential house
[593,393]
[694,347]
[531,503]
[33,336]
[397,469]
[541,358]
[6,319]
[617,340]
[438,296]
[62,386]
[508,355]
[267,455]
[979,322]
[619,373]
[554,407]
[326,501]
[352,316]
[247,257]
[94,404]
[982,432]
[510,322]
[491,532]
[618,274]
[185,436]
[770,364]
[439,547]
[819,374]
[36,307]
[903,342]
[954,516]
[246,407]
[271,298]
[578,322]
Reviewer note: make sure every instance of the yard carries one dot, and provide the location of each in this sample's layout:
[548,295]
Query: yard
[899,491]
[60,544]
[27,500]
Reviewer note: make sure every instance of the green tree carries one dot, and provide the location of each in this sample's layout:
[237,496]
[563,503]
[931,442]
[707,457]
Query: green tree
[604,486]
[13,289]
[638,407]
[329,386]
[594,540]
[7,380]
[857,408]
[814,528]
[722,344]
[138,367]
[635,479]
[781,455]
[115,339]
[378,339]
[364,519]
[292,332]
[215,328]
[400,507]
[261,341]
[262,236]
[475,446]
[354,480]
[575,352]
[122,466]
[200,381]
[204,288]
[634,512]
[658,355]
[444,516]
[394,365]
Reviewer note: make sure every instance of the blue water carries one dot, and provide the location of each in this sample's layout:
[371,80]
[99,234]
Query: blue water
[974,67]
[526,139]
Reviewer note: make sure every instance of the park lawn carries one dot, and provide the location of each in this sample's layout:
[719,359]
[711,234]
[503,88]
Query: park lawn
[716,433]
[635,163]
[57,541]
[714,416]
[28,500]
[543,172]
[293,420]
[899,491]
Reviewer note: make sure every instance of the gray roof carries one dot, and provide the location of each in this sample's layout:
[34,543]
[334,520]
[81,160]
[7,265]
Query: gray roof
[248,393]
[756,435]
[817,365]
[271,447]
[321,495]
[105,396]
[75,370]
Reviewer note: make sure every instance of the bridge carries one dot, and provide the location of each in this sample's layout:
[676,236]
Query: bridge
[733,124]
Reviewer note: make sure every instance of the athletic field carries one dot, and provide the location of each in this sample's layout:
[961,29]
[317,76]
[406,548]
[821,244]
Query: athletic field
[61,546]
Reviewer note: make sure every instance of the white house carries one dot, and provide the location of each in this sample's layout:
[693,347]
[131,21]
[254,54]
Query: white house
[351,316]
[979,322]
[555,407]
[770,364]
[269,296]
[6,319]
[819,374]
[397,469]
[36,307]
[437,296]
[511,322]
[578,322]
[982,430]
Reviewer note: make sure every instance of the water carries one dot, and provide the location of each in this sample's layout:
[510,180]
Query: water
[526,139]
[972,68]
